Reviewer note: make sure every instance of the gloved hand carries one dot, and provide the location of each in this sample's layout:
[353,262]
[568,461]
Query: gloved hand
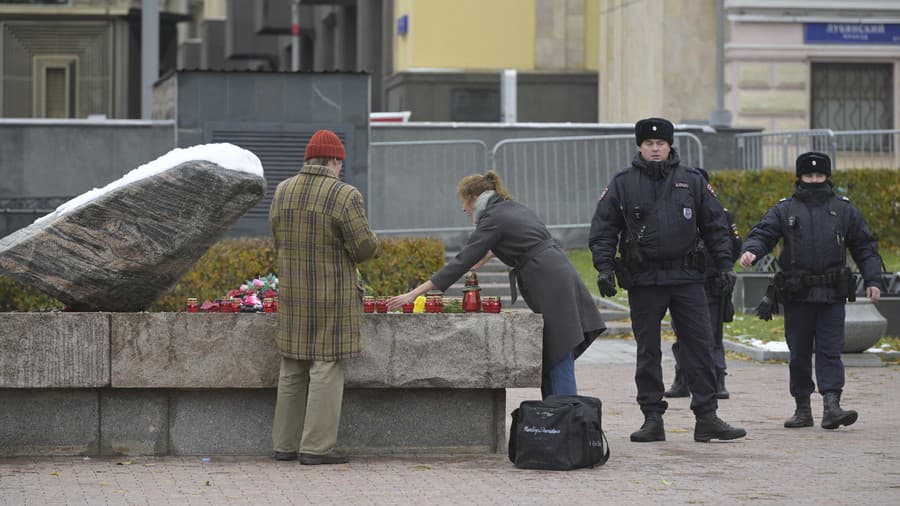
[606,283]
[727,279]
[768,305]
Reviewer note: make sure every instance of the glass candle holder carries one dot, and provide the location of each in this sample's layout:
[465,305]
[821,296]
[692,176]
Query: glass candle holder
[368,304]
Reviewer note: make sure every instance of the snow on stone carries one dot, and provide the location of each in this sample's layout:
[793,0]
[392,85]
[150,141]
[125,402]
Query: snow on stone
[227,156]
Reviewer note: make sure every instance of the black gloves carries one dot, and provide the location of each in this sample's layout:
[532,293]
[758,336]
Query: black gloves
[727,279]
[768,305]
[606,283]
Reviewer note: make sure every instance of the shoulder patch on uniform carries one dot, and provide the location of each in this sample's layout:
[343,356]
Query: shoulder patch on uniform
[710,188]
[603,194]
[681,184]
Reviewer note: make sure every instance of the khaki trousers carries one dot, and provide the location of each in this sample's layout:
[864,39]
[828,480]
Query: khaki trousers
[310,394]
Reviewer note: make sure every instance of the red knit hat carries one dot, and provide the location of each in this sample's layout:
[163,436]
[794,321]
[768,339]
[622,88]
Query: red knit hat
[325,144]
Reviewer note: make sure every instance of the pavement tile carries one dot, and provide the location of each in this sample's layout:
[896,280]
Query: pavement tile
[858,464]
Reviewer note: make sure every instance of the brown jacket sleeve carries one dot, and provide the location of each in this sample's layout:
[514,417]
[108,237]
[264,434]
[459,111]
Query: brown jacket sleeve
[359,240]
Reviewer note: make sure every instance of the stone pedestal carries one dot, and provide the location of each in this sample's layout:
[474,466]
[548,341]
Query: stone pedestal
[863,326]
[204,384]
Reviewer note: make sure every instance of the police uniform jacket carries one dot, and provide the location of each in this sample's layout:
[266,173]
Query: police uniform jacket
[664,205]
[817,228]
[320,231]
[546,279]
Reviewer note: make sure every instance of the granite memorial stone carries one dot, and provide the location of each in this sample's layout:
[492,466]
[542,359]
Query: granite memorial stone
[121,247]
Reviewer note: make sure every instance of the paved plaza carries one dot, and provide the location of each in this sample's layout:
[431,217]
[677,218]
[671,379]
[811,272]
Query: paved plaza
[855,465]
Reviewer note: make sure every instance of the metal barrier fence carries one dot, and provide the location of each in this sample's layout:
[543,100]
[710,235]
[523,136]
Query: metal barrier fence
[875,149]
[779,149]
[412,185]
[19,212]
[560,178]
[866,149]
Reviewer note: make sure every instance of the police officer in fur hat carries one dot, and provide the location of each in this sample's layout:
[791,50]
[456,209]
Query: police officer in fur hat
[818,228]
[655,212]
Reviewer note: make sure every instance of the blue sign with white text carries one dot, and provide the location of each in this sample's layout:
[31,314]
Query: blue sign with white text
[851,33]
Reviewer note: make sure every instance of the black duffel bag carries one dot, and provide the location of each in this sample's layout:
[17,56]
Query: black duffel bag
[561,432]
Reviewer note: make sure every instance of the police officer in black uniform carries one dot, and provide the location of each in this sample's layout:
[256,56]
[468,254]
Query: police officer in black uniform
[721,310]
[655,212]
[814,283]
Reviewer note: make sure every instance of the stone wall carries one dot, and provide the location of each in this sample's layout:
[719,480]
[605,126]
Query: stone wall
[204,384]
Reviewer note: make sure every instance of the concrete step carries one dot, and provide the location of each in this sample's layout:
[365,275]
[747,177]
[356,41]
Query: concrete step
[492,277]
[487,290]
[492,265]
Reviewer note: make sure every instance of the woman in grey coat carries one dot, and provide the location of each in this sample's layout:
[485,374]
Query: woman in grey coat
[546,279]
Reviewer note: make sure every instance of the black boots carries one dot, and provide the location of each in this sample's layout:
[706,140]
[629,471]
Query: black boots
[651,430]
[721,391]
[833,416]
[709,426]
[802,415]
[679,386]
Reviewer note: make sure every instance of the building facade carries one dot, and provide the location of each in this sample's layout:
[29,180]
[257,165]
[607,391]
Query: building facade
[77,58]
[788,64]
[804,64]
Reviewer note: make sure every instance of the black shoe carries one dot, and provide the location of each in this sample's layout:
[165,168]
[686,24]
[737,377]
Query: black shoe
[651,430]
[802,415]
[679,386]
[308,459]
[285,456]
[709,426]
[833,416]
[721,391]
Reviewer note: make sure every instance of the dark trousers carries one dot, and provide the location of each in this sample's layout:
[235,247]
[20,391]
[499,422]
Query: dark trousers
[688,306]
[808,325]
[715,318]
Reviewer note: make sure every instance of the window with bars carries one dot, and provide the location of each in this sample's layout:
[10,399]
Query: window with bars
[852,96]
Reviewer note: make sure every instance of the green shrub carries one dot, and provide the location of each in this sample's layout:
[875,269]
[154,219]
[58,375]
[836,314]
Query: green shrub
[226,265]
[403,264]
[232,261]
[876,193]
[18,297]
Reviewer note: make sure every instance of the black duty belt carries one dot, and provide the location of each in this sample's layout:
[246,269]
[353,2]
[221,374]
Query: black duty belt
[527,257]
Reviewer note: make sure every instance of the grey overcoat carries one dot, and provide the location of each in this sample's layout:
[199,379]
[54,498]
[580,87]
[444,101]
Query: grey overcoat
[547,280]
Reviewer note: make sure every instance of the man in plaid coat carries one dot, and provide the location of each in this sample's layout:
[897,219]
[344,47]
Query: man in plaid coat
[320,231]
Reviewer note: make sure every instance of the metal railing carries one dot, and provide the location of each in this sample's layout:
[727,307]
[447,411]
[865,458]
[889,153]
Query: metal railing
[866,149]
[852,149]
[19,212]
[560,178]
[779,150]
[404,175]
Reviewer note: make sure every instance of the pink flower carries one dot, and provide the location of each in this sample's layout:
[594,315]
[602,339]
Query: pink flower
[244,288]
[268,294]
[252,300]
[257,283]
[234,293]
